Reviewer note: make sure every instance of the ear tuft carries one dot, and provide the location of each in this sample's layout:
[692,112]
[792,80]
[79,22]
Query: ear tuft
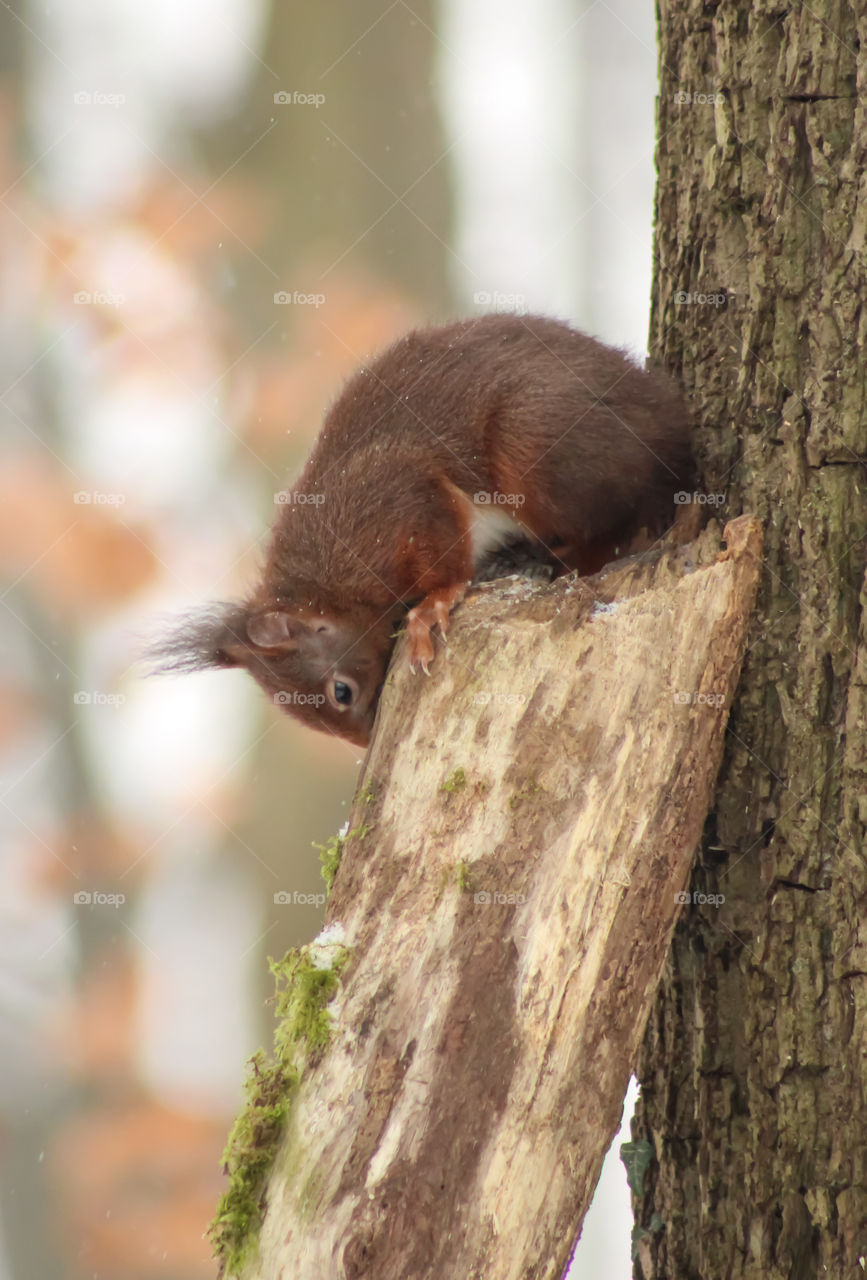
[214,636]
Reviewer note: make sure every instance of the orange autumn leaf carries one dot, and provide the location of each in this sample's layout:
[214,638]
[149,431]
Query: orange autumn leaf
[74,557]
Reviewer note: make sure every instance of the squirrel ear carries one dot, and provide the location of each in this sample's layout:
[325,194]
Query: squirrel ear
[272,630]
[222,635]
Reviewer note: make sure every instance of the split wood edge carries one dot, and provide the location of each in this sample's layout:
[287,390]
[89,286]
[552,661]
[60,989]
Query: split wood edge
[523,836]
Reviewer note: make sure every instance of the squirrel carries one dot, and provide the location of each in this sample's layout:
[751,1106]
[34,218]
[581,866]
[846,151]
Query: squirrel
[441,456]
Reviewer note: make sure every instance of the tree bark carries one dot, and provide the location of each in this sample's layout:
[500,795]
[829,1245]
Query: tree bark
[753,1063]
[524,832]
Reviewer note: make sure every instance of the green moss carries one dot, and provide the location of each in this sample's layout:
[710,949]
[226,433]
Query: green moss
[331,853]
[249,1154]
[456,779]
[459,874]
[304,989]
[530,788]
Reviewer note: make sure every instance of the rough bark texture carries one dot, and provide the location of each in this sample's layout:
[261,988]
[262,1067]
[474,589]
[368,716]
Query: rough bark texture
[753,1064]
[530,816]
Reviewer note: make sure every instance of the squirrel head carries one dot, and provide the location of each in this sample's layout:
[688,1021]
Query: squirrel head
[316,668]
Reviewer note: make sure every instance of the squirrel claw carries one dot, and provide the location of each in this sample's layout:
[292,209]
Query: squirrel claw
[421,649]
[427,619]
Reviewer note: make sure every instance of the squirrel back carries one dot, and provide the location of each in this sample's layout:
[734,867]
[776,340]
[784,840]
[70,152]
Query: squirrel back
[455,441]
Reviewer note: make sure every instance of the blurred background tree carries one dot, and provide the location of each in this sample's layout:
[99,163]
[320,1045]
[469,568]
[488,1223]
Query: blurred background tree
[166,171]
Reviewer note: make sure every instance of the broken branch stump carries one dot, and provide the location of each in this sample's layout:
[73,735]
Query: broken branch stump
[524,832]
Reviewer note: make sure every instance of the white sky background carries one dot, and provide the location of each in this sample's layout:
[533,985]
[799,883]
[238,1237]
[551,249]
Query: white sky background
[550,110]
[164,56]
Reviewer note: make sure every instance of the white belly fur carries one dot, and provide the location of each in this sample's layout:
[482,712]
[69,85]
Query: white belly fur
[491,527]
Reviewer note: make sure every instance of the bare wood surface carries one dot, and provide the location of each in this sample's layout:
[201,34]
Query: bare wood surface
[534,807]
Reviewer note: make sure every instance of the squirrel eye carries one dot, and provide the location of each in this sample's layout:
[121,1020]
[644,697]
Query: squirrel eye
[342,694]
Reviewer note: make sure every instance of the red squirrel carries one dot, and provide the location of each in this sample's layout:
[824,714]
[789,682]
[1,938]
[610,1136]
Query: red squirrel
[452,444]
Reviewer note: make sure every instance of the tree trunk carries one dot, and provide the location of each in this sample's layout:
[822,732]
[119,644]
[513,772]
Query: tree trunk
[523,835]
[752,1068]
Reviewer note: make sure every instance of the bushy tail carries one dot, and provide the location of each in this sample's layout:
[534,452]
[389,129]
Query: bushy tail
[210,637]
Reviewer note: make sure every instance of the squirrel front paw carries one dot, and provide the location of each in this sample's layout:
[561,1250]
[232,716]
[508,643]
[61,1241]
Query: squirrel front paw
[432,613]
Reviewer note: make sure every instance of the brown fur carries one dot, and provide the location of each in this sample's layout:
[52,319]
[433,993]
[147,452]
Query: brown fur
[592,446]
